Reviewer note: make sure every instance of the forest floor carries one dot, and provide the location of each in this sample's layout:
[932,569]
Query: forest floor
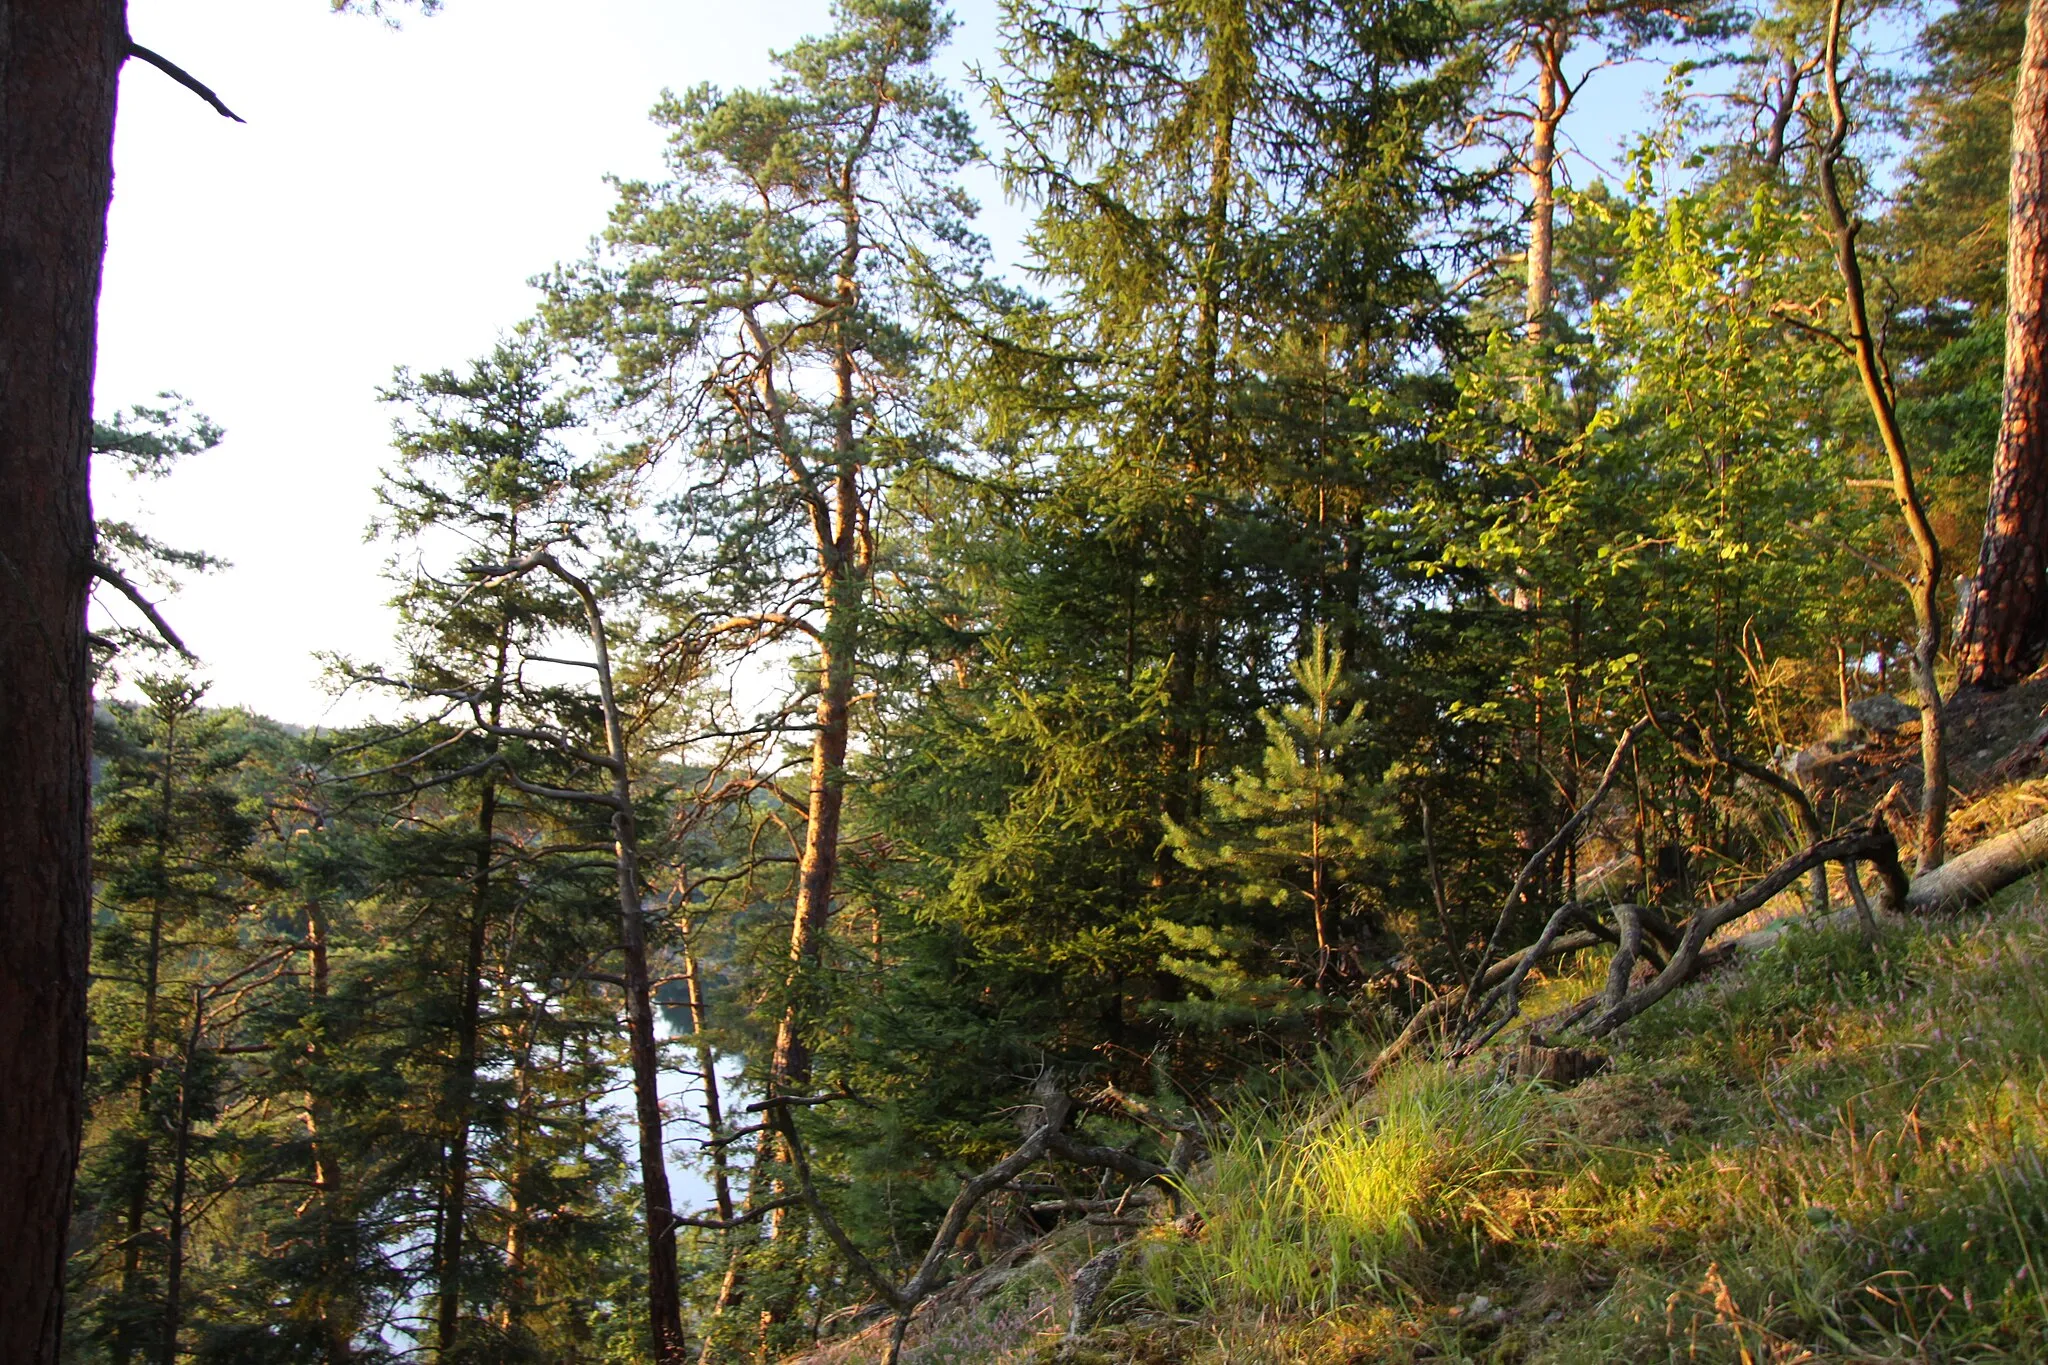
[1831,1150]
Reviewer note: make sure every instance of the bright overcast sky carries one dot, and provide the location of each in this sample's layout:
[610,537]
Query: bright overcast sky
[385,204]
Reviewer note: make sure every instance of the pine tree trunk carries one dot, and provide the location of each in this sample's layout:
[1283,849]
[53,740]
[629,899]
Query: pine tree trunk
[462,1079]
[462,1086]
[819,869]
[517,1294]
[664,1289]
[707,1075]
[181,1164]
[1541,287]
[59,60]
[335,1306]
[664,1292]
[842,563]
[145,1076]
[2005,616]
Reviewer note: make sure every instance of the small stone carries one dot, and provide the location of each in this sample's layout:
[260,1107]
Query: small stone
[1089,1283]
[1882,713]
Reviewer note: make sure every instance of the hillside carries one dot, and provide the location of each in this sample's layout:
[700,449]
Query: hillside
[1832,1154]
[1828,1149]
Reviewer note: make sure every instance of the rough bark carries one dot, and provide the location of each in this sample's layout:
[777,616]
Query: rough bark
[818,872]
[58,65]
[2005,616]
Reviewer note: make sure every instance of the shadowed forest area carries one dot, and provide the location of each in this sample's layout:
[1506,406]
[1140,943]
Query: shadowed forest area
[1230,791]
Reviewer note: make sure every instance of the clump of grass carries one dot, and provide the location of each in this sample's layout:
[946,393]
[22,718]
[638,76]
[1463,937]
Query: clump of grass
[1327,1201]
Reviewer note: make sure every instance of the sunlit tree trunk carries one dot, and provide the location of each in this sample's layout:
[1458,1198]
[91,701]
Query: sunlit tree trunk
[2005,616]
[337,1318]
[1553,97]
[842,552]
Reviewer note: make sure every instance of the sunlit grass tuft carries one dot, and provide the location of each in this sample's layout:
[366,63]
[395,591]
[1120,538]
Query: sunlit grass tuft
[1329,1201]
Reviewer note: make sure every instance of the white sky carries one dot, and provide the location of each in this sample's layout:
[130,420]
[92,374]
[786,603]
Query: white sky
[385,204]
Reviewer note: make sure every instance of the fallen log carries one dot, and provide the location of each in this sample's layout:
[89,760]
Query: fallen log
[1975,877]
[1966,880]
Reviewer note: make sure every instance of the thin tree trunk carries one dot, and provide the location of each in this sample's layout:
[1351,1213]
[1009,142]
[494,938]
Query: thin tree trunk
[145,1079]
[1924,585]
[1553,96]
[181,1160]
[462,1077]
[337,1330]
[1436,893]
[2005,615]
[664,1292]
[1790,75]
[59,60]
[517,1295]
[707,1068]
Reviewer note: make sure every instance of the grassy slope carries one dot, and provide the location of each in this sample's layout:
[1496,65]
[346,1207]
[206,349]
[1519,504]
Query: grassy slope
[1834,1153]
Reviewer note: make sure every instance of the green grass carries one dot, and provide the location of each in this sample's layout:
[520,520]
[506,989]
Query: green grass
[1834,1154]
[1313,1205]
